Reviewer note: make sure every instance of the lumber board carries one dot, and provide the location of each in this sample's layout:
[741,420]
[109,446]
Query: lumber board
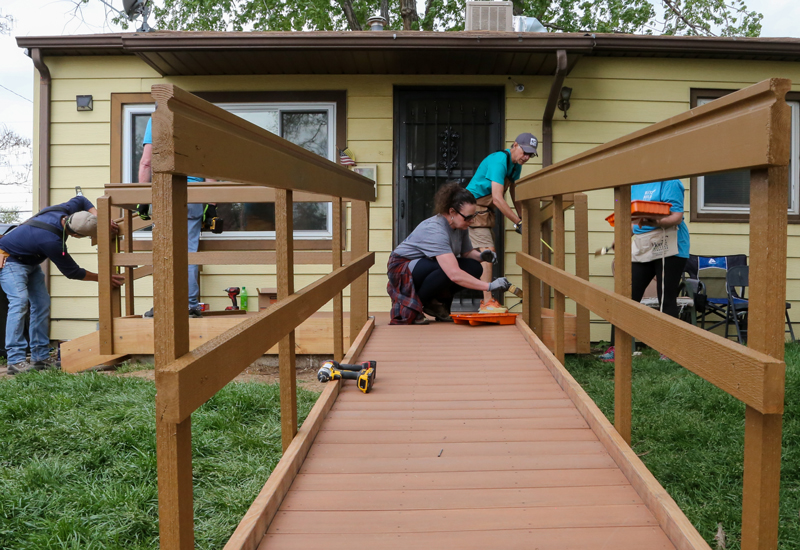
[359,290]
[192,379]
[336,262]
[131,194]
[521,435]
[670,517]
[106,293]
[226,257]
[284,229]
[742,372]
[734,133]
[251,529]
[466,450]
[515,405]
[204,140]
[559,259]
[623,345]
[562,422]
[583,320]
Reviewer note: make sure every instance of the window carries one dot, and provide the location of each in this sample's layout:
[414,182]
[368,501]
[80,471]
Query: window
[312,125]
[725,197]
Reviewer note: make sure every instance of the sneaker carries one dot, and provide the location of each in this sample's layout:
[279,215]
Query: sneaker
[148,314]
[420,319]
[49,363]
[195,313]
[608,356]
[17,368]
[663,357]
[438,312]
[492,306]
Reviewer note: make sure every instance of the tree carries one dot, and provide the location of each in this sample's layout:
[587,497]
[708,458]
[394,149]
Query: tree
[9,214]
[677,17]
[15,158]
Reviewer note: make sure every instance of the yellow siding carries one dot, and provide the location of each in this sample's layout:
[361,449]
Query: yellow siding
[611,97]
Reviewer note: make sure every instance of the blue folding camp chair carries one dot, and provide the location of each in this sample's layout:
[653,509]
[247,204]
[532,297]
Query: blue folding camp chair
[706,277]
[736,312]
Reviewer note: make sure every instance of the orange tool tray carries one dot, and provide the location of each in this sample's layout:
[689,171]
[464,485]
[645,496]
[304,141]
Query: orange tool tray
[484,318]
[641,209]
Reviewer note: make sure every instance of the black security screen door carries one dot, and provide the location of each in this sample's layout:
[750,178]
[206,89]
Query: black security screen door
[441,135]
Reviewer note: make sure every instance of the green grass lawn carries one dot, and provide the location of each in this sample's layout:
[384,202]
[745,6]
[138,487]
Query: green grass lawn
[78,460]
[690,434]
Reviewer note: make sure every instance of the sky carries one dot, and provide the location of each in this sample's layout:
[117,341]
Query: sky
[58,17]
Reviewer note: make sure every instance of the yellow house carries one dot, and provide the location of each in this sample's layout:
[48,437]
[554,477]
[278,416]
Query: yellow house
[416,109]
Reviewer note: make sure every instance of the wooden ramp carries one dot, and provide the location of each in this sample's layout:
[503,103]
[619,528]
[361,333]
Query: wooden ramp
[469,441]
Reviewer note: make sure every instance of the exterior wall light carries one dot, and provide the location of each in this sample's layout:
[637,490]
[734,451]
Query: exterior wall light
[84,102]
[563,103]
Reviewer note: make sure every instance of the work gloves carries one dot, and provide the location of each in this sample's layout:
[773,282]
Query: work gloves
[499,283]
[518,227]
[489,256]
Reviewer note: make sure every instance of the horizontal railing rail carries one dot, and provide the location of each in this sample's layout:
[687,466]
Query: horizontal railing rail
[748,129]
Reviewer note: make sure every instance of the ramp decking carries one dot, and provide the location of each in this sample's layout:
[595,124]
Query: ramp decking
[466,442]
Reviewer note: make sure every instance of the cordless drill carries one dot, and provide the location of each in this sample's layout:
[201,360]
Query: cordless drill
[233,292]
[211,222]
[364,373]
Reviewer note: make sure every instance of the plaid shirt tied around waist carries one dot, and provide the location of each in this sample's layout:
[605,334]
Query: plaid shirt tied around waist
[406,305]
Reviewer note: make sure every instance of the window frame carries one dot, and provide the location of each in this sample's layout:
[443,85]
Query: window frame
[743,213]
[122,103]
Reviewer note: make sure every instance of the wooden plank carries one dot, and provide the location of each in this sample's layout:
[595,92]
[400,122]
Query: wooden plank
[251,529]
[359,291]
[126,228]
[233,149]
[105,290]
[284,230]
[192,379]
[227,257]
[734,132]
[335,451]
[80,354]
[739,371]
[131,194]
[546,236]
[623,344]
[338,300]
[762,438]
[583,326]
[171,302]
[559,243]
[377,437]
[143,271]
[492,408]
[670,517]
[571,422]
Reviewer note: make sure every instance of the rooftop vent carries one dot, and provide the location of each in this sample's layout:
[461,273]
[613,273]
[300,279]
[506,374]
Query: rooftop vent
[489,16]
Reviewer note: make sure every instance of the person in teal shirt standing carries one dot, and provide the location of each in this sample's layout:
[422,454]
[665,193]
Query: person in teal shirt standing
[496,174]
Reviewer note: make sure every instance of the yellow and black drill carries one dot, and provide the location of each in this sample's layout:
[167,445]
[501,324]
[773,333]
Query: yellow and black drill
[363,373]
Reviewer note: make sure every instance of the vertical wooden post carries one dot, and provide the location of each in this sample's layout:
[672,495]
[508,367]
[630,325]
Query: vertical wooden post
[338,300]
[581,212]
[623,354]
[534,299]
[559,240]
[762,432]
[284,243]
[359,290]
[127,247]
[107,294]
[546,234]
[171,341]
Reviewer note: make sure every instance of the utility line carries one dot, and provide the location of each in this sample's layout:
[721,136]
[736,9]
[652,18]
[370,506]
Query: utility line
[16,94]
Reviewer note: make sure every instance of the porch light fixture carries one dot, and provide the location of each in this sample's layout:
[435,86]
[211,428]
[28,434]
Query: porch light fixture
[84,102]
[563,103]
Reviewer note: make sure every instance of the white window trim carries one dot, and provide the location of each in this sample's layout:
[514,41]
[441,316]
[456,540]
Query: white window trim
[149,108]
[794,176]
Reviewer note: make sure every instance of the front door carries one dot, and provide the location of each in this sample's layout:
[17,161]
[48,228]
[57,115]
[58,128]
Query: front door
[442,135]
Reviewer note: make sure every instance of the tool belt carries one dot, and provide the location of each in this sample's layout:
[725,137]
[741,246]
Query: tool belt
[484,213]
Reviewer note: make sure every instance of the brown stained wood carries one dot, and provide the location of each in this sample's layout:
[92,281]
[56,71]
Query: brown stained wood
[670,517]
[171,302]
[258,517]
[560,422]
[454,450]
[229,257]
[546,236]
[431,499]
[410,397]
[583,327]
[617,538]
[359,290]
[338,300]
[739,125]
[623,344]
[131,194]
[126,228]
[737,370]
[493,409]
[141,272]
[559,243]
[106,292]
[234,149]
[767,295]
[549,209]
[192,379]
[284,230]
[357,435]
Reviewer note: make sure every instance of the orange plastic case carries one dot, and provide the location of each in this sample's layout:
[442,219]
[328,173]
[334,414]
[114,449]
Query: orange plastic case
[641,209]
[476,319]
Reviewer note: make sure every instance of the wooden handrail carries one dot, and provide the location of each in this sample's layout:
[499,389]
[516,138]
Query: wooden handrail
[188,132]
[731,133]
[228,257]
[194,378]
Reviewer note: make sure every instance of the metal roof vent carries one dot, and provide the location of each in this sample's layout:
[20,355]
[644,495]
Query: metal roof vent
[490,16]
[376,23]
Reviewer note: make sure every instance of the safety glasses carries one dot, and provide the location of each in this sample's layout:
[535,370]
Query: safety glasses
[467,218]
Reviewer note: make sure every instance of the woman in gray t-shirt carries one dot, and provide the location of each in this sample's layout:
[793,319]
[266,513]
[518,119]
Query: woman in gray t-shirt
[424,270]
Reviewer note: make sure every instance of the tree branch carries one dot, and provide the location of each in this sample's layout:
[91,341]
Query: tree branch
[674,9]
[350,14]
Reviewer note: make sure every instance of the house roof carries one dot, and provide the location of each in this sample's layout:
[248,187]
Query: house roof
[174,53]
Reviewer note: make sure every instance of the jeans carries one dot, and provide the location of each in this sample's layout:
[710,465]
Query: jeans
[24,284]
[195,225]
[432,283]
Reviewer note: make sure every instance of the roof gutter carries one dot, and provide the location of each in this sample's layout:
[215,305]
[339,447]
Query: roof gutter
[44,138]
[550,108]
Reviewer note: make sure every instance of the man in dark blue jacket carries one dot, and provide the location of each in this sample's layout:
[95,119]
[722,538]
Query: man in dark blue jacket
[21,252]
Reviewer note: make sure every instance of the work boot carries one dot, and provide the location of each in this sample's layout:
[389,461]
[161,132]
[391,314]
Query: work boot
[49,363]
[17,368]
[492,306]
[195,313]
[420,319]
[148,314]
[437,311]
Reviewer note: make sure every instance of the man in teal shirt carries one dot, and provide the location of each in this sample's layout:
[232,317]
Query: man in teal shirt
[497,173]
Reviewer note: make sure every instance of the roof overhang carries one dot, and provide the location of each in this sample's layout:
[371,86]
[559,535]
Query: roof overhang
[174,53]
